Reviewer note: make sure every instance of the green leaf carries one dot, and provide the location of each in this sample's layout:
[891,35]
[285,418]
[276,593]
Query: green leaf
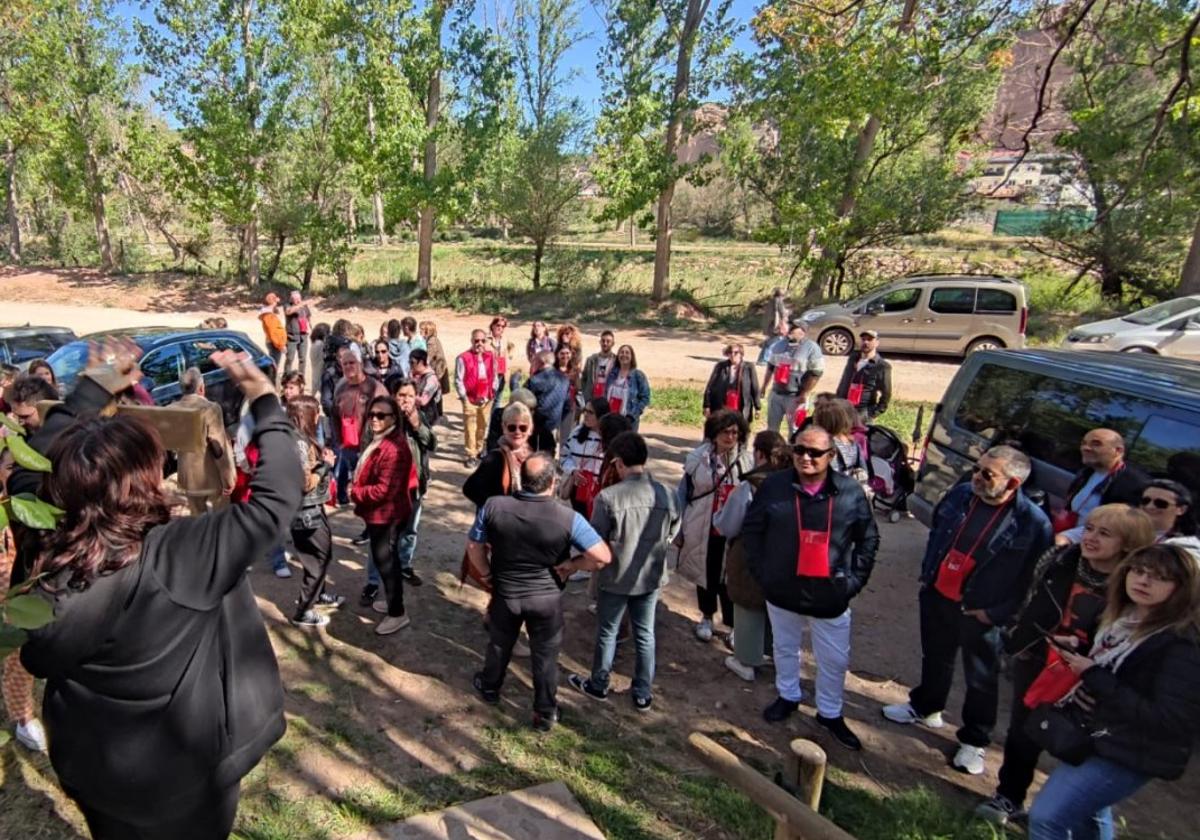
[3,517]
[27,456]
[34,513]
[28,612]
[11,639]
[11,424]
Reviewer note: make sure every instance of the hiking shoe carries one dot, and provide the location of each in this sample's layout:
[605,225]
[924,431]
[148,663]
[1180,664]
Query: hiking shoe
[968,759]
[643,704]
[325,601]
[780,710]
[905,713]
[838,729]
[487,695]
[999,810]
[704,630]
[544,723]
[411,577]
[369,594]
[392,624]
[283,571]
[584,686]
[311,618]
[380,606]
[734,664]
[32,735]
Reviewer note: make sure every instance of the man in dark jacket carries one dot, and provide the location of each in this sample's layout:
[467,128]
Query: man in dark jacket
[867,379]
[810,570]
[552,389]
[422,441]
[523,545]
[1106,478]
[983,546]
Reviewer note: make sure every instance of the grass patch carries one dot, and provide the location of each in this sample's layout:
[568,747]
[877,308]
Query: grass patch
[914,814]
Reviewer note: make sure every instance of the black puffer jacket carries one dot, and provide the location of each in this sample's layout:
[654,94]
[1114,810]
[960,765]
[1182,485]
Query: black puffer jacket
[852,544]
[1045,603]
[1147,712]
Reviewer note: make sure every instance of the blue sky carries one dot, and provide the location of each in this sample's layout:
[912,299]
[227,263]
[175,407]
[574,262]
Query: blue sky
[582,58]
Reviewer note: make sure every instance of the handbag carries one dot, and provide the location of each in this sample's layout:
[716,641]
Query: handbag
[1061,731]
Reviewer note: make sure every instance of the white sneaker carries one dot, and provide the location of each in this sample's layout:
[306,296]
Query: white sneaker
[744,671]
[391,624]
[283,572]
[521,649]
[32,735]
[704,630]
[969,759]
[380,606]
[905,713]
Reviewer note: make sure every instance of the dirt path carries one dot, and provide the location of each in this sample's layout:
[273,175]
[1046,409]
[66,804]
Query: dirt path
[87,302]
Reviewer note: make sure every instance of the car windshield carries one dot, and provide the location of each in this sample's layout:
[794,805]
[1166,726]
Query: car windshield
[1162,311]
[68,361]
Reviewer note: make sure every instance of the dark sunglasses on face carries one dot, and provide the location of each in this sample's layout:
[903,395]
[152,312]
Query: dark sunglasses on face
[515,427]
[987,474]
[811,451]
[479,341]
[381,415]
[1161,504]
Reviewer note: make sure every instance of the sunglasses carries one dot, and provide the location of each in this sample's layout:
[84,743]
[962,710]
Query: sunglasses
[479,341]
[1161,504]
[987,474]
[516,427]
[381,415]
[811,451]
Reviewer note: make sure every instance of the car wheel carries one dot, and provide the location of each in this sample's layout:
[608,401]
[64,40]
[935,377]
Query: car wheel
[836,342]
[1149,350]
[985,343]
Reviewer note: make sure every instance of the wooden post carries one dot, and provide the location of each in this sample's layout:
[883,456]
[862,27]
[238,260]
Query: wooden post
[806,769]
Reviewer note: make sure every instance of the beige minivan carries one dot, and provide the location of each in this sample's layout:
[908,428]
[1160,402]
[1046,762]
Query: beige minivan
[947,314]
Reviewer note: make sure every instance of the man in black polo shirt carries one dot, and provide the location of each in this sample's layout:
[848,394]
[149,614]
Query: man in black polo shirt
[523,545]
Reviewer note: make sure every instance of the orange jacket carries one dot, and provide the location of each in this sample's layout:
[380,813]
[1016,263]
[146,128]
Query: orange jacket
[273,328]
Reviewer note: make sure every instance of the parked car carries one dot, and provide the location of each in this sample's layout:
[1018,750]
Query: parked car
[950,314]
[21,345]
[166,353]
[1046,400]
[1171,328]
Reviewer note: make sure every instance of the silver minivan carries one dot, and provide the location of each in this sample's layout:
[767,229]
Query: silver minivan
[952,314]
[1171,328]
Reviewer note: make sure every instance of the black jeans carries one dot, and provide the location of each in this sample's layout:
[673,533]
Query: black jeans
[209,819]
[383,552]
[542,616]
[315,548]
[1021,754]
[713,593]
[944,632]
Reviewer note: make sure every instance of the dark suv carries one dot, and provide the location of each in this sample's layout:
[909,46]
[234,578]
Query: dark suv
[21,345]
[166,353]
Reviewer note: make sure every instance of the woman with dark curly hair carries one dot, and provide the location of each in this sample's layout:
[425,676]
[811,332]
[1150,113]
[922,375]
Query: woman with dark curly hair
[162,689]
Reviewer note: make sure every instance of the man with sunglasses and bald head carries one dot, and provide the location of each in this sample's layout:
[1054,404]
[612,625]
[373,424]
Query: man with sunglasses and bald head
[818,555]
[984,543]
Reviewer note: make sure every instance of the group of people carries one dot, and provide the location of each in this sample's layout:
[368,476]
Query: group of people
[1097,605]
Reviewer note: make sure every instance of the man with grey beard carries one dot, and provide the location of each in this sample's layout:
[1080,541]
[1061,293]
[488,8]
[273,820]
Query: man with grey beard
[984,543]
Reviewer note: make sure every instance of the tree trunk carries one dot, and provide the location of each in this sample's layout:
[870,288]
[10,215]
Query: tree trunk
[280,241]
[830,254]
[95,187]
[351,218]
[432,103]
[10,201]
[376,196]
[539,249]
[310,264]
[135,212]
[632,232]
[1189,278]
[696,9]
[249,70]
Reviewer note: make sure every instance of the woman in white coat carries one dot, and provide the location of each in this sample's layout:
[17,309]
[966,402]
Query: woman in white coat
[711,473]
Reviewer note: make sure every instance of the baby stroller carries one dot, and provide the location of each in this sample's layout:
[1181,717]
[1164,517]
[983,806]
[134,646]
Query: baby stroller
[892,476]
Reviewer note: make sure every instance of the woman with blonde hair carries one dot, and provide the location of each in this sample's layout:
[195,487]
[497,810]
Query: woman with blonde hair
[1137,702]
[437,354]
[1067,597]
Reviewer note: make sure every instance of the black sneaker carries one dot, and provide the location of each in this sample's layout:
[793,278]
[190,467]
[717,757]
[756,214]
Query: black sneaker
[369,594]
[411,577]
[325,601]
[838,728]
[780,710]
[643,704]
[584,686]
[487,695]
[544,723]
[310,619]
[361,539]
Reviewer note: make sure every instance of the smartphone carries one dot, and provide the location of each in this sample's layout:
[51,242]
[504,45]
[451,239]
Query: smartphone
[1056,643]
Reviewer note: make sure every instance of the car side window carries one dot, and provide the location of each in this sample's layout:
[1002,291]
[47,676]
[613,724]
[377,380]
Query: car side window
[1161,439]
[196,352]
[995,300]
[952,300]
[28,347]
[162,366]
[899,300]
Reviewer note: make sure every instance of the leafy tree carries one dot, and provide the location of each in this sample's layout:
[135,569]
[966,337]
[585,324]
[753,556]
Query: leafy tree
[659,62]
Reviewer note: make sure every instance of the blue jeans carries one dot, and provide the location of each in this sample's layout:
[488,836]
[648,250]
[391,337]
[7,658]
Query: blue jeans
[1076,802]
[343,469]
[277,557]
[406,545]
[610,607]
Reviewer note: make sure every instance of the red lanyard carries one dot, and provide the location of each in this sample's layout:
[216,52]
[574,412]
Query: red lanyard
[983,533]
[800,519]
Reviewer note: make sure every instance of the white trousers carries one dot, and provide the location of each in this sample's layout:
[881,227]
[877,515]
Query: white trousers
[831,650]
